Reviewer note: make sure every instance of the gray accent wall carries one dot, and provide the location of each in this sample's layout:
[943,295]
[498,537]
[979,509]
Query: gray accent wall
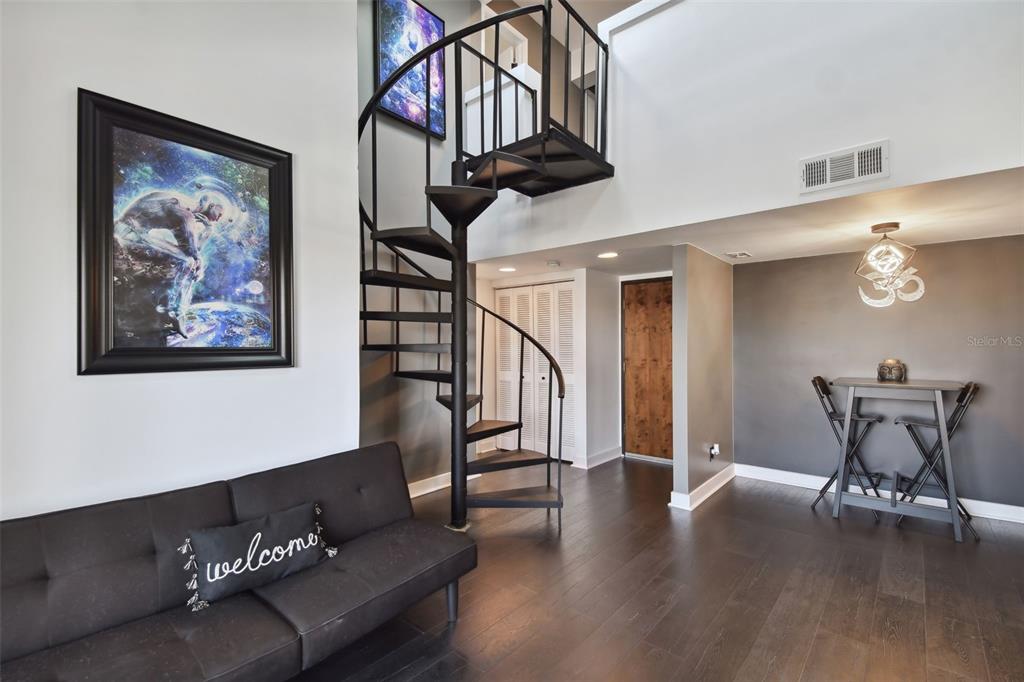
[801,317]
[603,370]
[404,410]
[702,365]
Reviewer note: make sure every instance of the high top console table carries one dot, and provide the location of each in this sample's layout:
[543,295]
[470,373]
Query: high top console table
[926,391]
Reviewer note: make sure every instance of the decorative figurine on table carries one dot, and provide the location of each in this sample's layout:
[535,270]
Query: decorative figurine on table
[892,370]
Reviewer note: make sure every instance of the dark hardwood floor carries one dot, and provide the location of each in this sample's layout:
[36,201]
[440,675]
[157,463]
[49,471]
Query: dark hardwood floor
[753,585]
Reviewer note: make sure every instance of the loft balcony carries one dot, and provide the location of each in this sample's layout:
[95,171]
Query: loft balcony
[529,130]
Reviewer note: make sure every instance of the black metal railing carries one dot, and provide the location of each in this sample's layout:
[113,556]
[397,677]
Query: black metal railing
[508,125]
[489,72]
[554,372]
[580,112]
[369,116]
[576,120]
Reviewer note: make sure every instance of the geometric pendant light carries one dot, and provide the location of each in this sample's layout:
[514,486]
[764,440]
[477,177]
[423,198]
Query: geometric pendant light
[886,266]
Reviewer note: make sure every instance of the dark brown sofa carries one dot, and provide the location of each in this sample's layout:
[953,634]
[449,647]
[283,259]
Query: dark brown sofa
[98,592]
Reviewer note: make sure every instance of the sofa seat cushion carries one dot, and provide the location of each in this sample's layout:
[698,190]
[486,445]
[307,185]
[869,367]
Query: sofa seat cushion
[374,578]
[239,638]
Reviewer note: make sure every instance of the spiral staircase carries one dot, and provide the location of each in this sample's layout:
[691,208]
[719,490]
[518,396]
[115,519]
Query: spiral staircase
[532,148]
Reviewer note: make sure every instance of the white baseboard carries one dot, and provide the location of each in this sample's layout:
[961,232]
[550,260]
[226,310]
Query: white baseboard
[691,501]
[980,508]
[433,484]
[598,459]
[780,476]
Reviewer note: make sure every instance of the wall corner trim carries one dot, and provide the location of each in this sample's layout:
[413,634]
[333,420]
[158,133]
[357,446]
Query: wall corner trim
[980,508]
[630,16]
[433,484]
[591,461]
[689,502]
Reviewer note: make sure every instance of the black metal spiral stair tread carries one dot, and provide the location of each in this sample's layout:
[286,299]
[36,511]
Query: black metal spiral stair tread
[436,375]
[551,159]
[386,278]
[568,162]
[410,347]
[499,460]
[405,316]
[542,496]
[419,239]
[485,428]
[472,400]
[511,170]
[460,204]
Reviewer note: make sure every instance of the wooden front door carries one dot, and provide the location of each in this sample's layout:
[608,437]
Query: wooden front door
[647,367]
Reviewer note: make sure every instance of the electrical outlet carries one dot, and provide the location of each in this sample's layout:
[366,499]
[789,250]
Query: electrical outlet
[714,450]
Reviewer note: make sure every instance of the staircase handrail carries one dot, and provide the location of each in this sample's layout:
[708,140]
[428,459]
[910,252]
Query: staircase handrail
[429,50]
[534,342]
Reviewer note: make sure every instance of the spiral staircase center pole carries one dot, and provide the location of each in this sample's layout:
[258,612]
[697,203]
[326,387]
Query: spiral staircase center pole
[460,339]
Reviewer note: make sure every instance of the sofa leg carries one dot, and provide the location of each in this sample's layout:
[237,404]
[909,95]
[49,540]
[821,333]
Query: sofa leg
[453,601]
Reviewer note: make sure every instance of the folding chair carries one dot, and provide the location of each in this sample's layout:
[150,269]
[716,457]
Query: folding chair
[933,456]
[835,420]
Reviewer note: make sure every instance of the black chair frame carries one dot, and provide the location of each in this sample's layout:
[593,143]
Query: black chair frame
[834,416]
[930,467]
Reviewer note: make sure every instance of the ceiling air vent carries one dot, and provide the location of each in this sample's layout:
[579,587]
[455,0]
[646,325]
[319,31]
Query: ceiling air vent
[845,166]
[738,254]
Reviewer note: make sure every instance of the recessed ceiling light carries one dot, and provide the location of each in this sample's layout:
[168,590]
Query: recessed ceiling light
[608,254]
[507,268]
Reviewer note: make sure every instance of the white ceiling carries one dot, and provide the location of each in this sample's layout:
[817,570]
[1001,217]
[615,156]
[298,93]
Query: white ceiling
[971,207]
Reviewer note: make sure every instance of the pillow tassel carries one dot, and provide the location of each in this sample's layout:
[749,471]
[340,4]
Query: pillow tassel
[330,551]
[196,603]
[187,547]
[191,563]
[193,584]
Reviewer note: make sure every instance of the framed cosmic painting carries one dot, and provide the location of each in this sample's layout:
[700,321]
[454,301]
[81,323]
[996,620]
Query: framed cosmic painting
[401,29]
[184,244]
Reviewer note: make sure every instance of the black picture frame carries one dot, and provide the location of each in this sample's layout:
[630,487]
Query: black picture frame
[377,80]
[97,354]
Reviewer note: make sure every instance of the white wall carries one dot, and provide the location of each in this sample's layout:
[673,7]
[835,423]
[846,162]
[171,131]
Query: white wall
[282,73]
[712,103]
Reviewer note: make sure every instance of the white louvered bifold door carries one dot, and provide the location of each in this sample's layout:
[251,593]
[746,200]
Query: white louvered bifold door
[544,332]
[564,333]
[547,313]
[507,363]
[517,306]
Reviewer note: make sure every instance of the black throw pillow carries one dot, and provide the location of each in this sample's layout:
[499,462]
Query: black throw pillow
[229,559]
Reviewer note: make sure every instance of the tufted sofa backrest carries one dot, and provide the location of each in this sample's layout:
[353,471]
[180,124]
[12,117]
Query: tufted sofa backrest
[359,491]
[71,573]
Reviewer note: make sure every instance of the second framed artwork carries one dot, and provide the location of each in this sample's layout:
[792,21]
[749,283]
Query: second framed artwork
[401,29]
[185,245]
